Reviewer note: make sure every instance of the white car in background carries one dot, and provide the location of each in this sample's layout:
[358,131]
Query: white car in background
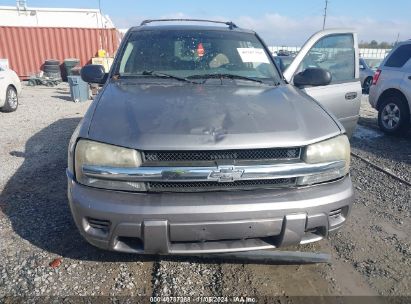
[10,89]
[390,92]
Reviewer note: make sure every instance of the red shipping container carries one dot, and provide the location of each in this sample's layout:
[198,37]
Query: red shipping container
[27,48]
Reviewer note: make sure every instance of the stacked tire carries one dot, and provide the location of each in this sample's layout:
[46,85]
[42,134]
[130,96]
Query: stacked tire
[51,68]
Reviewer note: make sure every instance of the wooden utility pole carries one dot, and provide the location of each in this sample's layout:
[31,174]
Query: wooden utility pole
[325,13]
[398,38]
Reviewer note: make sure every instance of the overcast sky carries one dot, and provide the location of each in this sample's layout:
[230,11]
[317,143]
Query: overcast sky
[285,22]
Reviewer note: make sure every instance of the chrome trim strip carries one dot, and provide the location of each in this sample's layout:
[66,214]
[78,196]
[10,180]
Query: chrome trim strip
[216,173]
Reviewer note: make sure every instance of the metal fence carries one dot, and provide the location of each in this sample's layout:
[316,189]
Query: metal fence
[364,53]
[374,53]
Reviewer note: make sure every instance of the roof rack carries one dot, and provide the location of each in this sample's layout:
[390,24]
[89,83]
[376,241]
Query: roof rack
[230,24]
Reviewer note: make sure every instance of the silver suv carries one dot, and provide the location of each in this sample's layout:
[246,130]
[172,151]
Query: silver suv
[390,92]
[366,76]
[198,144]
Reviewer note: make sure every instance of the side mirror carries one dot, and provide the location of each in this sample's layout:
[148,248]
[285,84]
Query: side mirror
[312,77]
[94,73]
[362,67]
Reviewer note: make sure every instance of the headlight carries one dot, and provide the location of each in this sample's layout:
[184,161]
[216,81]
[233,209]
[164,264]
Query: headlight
[331,150]
[93,153]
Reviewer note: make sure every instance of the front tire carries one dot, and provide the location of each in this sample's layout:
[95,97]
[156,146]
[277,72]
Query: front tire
[394,115]
[12,100]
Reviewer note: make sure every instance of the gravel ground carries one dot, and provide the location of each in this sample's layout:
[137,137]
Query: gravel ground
[391,153]
[41,252]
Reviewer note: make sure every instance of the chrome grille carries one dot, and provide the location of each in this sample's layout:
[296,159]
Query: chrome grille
[215,186]
[250,154]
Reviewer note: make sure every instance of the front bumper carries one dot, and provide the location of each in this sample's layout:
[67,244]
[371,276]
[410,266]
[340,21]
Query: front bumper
[209,222]
[373,96]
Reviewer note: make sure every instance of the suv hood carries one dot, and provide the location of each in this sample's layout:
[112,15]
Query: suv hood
[191,117]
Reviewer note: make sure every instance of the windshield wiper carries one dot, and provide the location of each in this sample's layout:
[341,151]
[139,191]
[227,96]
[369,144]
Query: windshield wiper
[164,75]
[224,75]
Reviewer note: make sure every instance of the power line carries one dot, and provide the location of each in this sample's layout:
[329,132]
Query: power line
[325,13]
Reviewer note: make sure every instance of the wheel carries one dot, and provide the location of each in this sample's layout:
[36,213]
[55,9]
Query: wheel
[47,68]
[394,115]
[367,85]
[52,62]
[12,100]
[52,75]
[32,83]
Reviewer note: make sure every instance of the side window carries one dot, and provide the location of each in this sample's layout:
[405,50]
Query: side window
[334,53]
[399,57]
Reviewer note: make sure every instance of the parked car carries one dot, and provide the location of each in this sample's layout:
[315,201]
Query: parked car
[390,93]
[373,63]
[283,53]
[10,89]
[198,144]
[366,76]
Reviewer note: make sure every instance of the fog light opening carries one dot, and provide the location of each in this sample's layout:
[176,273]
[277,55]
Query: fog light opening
[97,227]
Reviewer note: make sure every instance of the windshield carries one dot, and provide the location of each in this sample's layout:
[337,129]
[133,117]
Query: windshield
[196,54]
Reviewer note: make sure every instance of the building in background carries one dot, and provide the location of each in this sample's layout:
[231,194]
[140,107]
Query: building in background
[29,36]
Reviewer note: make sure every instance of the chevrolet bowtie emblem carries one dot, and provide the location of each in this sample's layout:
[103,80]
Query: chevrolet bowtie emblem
[225,174]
